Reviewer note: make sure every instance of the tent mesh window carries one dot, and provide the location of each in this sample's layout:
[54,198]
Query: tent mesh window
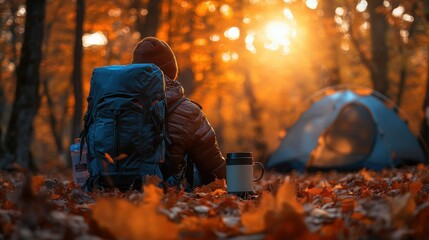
[349,139]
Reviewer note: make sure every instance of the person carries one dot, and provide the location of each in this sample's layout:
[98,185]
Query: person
[192,136]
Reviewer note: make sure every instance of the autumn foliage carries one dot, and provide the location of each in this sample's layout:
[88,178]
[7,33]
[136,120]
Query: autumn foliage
[392,204]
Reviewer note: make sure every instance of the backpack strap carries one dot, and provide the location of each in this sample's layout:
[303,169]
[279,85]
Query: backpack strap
[188,171]
[176,104]
[167,166]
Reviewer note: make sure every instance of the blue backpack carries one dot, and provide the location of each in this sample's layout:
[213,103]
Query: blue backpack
[124,125]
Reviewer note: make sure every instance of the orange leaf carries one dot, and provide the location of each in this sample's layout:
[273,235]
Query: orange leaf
[205,228]
[357,216]
[366,192]
[216,184]
[127,221]
[420,223]
[314,191]
[401,209]
[37,182]
[287,194]
[121,156]
[421,167]
[327,200]
[335,230]
[55,196]
[109,158]
[254,220]
[415,187]
[361,218]
[348,205]
[366,175]
[218,192]
[287,224]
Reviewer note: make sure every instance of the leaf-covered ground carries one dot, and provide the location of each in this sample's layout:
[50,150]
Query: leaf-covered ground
[392,204]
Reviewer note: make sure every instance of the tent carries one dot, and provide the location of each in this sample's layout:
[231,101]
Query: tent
[348,130]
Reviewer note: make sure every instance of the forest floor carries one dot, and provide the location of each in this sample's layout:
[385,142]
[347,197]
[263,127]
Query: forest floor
[392,204]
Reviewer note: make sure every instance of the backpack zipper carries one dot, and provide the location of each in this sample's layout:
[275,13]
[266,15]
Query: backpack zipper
[116,138]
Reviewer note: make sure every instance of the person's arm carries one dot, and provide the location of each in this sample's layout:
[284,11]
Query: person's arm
[204,150]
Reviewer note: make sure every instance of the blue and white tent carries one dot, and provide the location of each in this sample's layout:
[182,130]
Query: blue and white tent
[348,130]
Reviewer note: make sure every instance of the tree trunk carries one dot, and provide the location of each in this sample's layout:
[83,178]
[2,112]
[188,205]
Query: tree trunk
[404,58]
[53,120]
[186,75]
[380,57]
[26,103]
[77,70]
[424,129]
[2,108]
[2,97]
[333,69]
[148,25]
[402,75]
[12,30]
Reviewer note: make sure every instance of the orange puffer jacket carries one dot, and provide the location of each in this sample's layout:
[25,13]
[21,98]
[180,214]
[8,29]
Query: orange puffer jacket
[191,134]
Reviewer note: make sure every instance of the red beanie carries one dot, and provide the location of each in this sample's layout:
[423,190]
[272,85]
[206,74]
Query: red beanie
[153,50]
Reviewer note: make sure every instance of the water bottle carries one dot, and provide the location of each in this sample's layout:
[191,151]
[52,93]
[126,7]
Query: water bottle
[80,168]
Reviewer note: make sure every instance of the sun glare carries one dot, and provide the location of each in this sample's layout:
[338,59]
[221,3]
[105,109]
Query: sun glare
[21,11]
[397,12]
[226,10]
[361,7]
[232,33]
[250,38]
[279,35]
[94,39]
[312,4]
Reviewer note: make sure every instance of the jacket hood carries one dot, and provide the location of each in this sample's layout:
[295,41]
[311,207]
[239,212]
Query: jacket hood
[173,90]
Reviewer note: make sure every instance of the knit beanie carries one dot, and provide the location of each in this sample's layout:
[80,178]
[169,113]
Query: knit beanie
[156,51]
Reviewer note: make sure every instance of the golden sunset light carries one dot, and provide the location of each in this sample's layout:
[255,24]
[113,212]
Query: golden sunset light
[214,119]
[94,39]
[279,35]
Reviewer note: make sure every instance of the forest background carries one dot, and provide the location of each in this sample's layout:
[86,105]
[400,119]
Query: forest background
[251,64]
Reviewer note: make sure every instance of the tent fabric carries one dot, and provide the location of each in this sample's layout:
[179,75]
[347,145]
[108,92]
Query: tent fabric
[346,130]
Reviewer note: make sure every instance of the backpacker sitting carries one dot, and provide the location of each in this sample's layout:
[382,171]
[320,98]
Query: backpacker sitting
[130,132]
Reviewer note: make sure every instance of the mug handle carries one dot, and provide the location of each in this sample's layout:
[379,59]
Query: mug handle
[262,173]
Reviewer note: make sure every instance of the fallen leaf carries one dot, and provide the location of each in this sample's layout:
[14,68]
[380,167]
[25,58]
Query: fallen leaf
[314,191]
[121,156]
[348,205]
[254,220]
[335,230]
[109,158]
[126,220]
[286,223]
[401,209]
[218,192]
[206,228]
[55,196]
[37,182]
[366,174]
[420,223]
[216,184]
[287,194]
[415,187]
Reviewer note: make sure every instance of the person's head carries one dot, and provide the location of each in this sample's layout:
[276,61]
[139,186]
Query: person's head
[156,51]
